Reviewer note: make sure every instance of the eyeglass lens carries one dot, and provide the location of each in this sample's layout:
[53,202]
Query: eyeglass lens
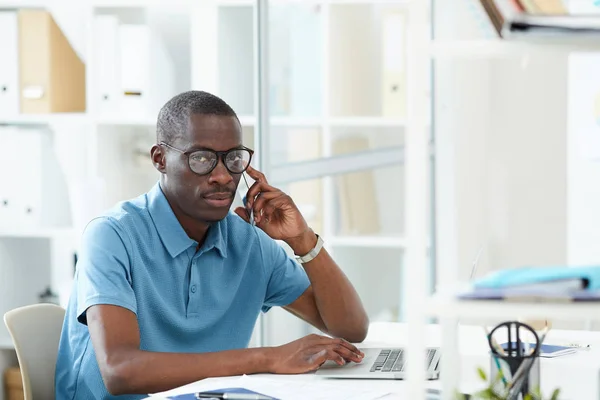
[236,161]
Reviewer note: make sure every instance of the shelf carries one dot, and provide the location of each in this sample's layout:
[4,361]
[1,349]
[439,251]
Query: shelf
[367,122]
[245,120]
[502,48]
[250,120]
[74,118]
[284,121]
[148,3]
[443,306]
[44,119]
[368,241]
[41,233]
[125,121]
[296,121]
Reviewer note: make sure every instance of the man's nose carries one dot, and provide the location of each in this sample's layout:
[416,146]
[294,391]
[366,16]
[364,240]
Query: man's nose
[220,174]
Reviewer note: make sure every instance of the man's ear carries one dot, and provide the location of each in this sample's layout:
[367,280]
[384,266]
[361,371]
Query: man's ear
[158,158]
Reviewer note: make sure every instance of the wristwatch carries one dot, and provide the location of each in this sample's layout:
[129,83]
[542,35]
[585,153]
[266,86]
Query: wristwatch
[311,254]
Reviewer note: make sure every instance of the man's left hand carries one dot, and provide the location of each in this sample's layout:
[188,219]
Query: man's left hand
[276,214]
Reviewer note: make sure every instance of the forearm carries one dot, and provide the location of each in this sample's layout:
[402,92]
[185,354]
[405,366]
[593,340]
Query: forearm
[142,372]
[336,299]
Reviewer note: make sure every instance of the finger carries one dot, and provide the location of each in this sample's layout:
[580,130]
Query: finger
[256,189]
[243,213]
[256,175]
[346,353]
[347,345]
[323,355]
[266,214]
[269,211]
[266,201]
[350,346]
[334,356]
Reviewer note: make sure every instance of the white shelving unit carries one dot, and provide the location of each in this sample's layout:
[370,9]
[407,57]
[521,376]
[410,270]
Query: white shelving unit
[342,112]
[503,155]
[328,97]
[498,311]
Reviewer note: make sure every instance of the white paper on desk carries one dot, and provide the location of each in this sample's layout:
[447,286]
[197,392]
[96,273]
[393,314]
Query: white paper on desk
[284,389]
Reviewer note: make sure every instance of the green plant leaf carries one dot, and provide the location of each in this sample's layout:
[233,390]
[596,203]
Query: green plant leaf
[458,395]
[482,374]
[555,394]
[528,396]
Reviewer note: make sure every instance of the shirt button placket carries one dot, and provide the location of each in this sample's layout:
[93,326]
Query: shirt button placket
[193,289]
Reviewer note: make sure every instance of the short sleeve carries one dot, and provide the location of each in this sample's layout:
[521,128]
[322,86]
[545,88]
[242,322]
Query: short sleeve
[286,279]
[103,268]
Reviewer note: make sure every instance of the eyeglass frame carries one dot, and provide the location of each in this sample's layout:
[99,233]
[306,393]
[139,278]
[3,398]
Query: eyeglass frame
[219,154]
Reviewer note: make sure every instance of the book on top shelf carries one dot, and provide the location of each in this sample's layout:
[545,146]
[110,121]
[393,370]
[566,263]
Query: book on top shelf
[539,18]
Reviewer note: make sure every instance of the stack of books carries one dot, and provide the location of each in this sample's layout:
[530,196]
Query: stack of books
[539,18]
[552,283]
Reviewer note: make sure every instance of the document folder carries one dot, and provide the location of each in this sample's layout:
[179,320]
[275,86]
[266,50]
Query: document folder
[52,77]
[106,62]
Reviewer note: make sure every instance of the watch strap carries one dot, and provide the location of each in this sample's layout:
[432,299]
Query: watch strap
[313,253]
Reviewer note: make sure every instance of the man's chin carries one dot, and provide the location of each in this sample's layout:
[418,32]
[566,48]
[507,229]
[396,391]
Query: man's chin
[214,215]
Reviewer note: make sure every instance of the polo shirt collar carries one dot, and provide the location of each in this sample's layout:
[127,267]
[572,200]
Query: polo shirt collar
[172,234]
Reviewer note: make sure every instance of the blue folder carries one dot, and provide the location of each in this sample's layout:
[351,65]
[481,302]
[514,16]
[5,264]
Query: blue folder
[589,276]
[529,295]
[192,396]
[552,283]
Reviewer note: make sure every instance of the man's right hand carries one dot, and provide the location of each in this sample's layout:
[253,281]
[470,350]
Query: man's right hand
[310,352]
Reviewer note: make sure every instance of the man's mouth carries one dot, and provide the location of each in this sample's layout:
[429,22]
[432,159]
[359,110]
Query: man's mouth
[220,199]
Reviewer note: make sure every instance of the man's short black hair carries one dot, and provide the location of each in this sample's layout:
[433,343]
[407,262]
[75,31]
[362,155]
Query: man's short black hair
[174,116]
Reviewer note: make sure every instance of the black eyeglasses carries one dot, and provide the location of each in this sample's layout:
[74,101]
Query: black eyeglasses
[202,162]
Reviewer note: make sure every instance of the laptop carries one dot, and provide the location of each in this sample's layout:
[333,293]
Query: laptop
[381,363]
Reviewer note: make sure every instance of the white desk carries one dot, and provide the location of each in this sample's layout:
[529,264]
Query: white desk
[577,375]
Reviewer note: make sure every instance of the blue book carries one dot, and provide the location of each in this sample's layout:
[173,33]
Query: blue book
[192,396]
[557,278]
[530,294]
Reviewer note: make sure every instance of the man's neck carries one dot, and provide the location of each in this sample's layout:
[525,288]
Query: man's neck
[195,230]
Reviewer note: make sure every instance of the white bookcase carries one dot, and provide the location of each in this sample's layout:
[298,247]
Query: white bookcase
[504,168]
[338,101]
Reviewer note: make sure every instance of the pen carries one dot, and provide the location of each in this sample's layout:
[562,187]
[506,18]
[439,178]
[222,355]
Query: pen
[499,350]
[231,396]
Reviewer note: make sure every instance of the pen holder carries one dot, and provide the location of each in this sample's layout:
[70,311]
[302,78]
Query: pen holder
[515,376]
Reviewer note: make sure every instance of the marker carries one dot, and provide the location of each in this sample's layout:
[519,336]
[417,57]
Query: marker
[231,396]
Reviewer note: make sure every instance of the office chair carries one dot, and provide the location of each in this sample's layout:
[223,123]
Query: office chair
[35,332]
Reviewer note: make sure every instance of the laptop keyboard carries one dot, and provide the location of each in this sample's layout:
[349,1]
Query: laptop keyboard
[392,360]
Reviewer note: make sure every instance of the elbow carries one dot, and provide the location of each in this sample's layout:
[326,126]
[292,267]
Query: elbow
[356,333]
[115,381]
[116,373]
[359,334]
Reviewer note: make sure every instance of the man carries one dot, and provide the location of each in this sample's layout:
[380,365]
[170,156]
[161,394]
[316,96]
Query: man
[169,285]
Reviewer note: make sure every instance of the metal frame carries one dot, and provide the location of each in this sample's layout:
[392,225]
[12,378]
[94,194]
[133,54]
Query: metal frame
[261,109]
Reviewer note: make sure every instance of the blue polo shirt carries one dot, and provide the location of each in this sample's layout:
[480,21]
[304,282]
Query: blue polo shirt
[186,299]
